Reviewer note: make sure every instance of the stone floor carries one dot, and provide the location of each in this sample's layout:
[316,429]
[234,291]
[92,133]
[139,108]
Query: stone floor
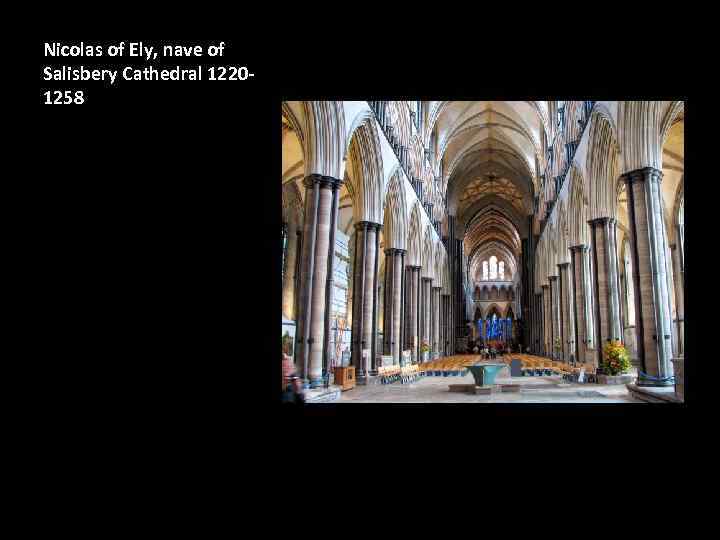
[533,390]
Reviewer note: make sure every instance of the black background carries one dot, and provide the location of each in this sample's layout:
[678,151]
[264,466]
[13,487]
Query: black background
[160,265]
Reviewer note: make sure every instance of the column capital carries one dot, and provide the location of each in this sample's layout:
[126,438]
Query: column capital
[394,251]
[424,279]
[544,286]
[579,248]
[370,225]
[598,221]
[552,278]
[641,175]
[563,266]
[413,267]
[436,288]
[324,181]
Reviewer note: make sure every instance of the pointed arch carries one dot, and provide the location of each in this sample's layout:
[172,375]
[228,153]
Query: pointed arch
[603,169]
[493,308]
[578,209]
[428,267]
[675,111]
[414,241]
[395,219]
[324,138]
[562,236]
[292,203]
[437,261]
[295,123]
[552,251]
[641,137]
[365,183]
[445,273]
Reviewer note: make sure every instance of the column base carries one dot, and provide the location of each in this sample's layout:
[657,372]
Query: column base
[649,382]
[316,382]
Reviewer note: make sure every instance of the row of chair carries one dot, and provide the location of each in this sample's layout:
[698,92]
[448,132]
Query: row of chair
[388,374]
[531,365]
[450,366]
[539,366]
[410,373]
[405,374]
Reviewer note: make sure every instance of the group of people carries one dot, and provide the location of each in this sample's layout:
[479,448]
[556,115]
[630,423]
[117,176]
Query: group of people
[487,353]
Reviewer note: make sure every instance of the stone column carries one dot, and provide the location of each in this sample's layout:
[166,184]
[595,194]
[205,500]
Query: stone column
[328,350]
[436,321]
[289,278]
[540,327]
[320,193]
[307,262]
[406,301]
[453,267]
[421,314]
[554,317]
[532,319]
[358,299]
[411,317]
[364,297]
[375,313]
[446,338]
[431,323]
[393,294]
[607,285]
[547,320]
[399,268]
[389,302]
[580,291]
[566,327]
[426,310]
[538,324]
[648,242]
[458,295]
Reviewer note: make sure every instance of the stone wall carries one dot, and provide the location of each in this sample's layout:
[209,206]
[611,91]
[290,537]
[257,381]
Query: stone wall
[340,276]
[339,313]
[630,341]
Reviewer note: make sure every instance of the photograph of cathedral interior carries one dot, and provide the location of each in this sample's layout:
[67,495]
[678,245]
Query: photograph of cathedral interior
[483,251]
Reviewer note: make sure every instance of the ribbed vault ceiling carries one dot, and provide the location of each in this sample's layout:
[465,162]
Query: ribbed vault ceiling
[490,153]
[488,185]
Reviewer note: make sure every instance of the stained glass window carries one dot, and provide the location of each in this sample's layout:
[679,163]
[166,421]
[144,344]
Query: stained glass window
[501,270]
[485,270]
[493,267]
